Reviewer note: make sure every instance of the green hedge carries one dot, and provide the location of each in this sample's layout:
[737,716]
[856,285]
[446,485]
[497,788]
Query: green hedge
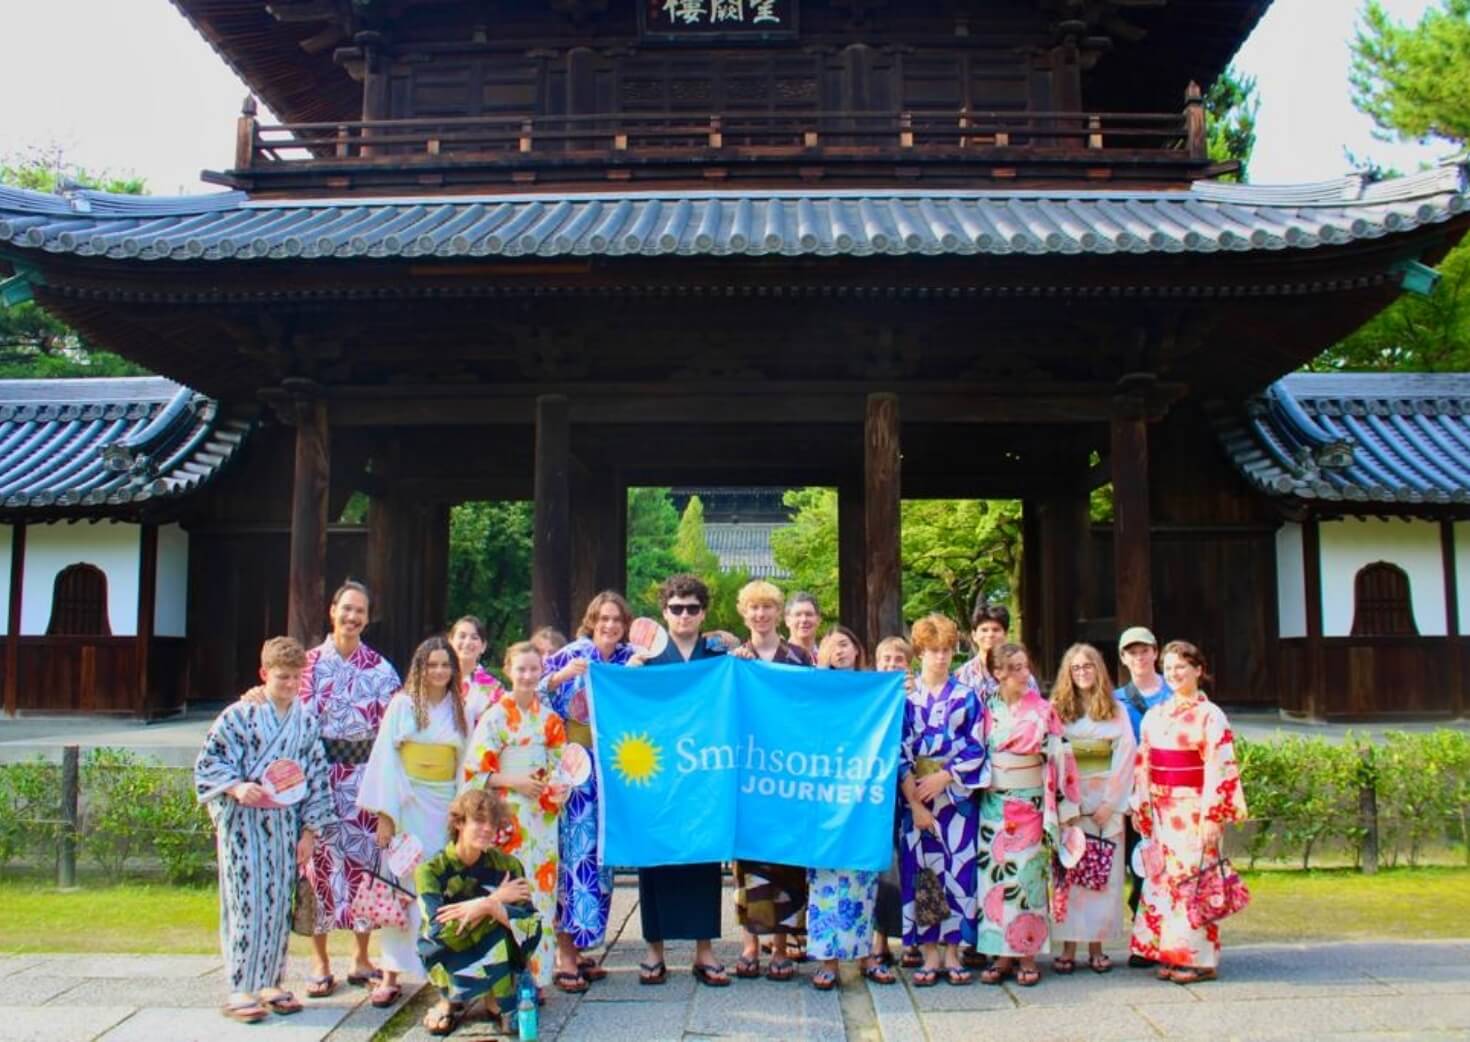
[1304,793]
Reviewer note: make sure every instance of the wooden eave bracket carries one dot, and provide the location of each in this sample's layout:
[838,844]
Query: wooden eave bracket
[18,288]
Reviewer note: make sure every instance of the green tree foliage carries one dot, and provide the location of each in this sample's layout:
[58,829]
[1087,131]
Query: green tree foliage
[1231,106]
[953,551]
[692,551]
[1414,81]
[653,526]
[32,342]
[490,569]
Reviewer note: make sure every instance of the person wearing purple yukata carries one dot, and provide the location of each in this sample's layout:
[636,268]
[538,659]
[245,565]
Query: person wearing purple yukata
[942,764]
[584,883]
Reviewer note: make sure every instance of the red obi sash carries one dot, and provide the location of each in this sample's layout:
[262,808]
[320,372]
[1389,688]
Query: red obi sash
[1183,768]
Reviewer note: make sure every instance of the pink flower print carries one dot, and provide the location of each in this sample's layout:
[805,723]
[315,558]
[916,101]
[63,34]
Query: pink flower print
[1022,824]
[1025,736]
[577,707]
[1071,788]
[1027,933]
[995,904]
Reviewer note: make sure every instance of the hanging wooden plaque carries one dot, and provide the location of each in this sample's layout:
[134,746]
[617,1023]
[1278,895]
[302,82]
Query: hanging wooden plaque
[699,21]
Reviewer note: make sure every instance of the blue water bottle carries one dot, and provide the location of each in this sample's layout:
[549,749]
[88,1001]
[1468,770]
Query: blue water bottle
[528,1015]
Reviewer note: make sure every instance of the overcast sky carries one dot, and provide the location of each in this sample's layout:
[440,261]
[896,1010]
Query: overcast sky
[128,87]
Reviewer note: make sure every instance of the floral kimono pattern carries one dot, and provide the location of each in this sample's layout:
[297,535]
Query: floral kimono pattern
[839,912]
[485,959]
[584,889]
[480,691]
[348,698]
[1169,817]
[942,730]
[1020,827]
[515,740]
[1104,751]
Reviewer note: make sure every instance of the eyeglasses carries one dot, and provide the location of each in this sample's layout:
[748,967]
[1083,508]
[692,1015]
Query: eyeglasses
[1083,667]
[683,609]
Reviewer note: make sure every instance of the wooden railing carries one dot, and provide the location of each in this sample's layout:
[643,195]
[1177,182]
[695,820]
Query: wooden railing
[631,139]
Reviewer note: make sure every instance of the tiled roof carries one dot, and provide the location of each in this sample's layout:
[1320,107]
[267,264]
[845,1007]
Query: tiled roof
[1206,219]
[91,446]
[1371,438]
[744,546]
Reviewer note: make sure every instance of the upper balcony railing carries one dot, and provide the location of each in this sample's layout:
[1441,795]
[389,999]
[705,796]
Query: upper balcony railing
[942,146]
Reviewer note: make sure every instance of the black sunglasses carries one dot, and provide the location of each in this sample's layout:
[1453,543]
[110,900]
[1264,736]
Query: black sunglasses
[683,609]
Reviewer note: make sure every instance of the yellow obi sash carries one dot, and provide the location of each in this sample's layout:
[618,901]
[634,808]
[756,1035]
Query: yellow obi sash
[1094,755]
[432,763]
[579,732]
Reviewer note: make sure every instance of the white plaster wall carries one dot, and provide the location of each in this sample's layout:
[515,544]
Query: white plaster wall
[171,598]
[109,545]
[1291,582]
[1412,545]
[1462,572]
[6,535]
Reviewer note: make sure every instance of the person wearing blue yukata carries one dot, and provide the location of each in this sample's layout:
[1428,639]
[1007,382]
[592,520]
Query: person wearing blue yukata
[261,844]
[1138,654]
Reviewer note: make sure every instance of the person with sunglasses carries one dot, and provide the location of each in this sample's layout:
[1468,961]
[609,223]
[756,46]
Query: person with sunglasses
[682,902]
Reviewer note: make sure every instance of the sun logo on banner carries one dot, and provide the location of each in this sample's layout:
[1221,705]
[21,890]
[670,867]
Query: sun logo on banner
[636,758]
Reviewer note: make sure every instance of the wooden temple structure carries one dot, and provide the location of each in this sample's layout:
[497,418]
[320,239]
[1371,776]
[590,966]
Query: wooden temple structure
[551,249]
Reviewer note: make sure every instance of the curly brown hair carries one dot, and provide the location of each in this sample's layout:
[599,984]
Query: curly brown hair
[414,684]
[477,805]
[1097,702]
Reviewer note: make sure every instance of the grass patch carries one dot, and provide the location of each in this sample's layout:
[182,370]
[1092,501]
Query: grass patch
[1286,906]
[1342,904]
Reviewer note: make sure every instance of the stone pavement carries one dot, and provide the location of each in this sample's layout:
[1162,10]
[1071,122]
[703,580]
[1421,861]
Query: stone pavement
[1361,991]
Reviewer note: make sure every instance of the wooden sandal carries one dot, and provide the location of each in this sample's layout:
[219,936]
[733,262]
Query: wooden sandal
[591,970]
[780,970]
[320,987]
[282,1003]
[651,973]
[1063,966]
[711,976]
[875,970]
[570,981]
[957,976]
[1028,978]
[443,1018]
[251,1012]
[824,980]
[995,973]
[748,967]
[1192,975]
[925,977]
[1099,963]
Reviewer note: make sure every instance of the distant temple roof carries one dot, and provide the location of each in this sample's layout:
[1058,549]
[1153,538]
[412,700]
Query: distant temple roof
[1365,438]
[91,447]
[1208,218]
[745,545]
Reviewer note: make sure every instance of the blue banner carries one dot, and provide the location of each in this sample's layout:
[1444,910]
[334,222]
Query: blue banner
[723,759]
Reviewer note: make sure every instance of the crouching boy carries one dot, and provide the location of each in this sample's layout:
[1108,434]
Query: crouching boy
[262,774]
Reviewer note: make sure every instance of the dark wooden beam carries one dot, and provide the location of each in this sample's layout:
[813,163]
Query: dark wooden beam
[309,494]
[1455,659]
[1316,665]
[552,540]
[1031,592]
[147,599]
[599,532]
[852,586]
[12,632]
[1132,546]
[882,510]
[1064,542]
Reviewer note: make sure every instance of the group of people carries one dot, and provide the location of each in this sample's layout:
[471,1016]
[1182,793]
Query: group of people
[451,777]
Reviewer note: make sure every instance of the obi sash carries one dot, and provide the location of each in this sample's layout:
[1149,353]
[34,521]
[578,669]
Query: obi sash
[1015,771]
[1094,755]
[1176,768]
[579,732]
[423,761]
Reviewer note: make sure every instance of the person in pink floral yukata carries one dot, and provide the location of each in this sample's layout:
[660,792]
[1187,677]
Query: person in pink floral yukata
[1033,791]
[1186,790]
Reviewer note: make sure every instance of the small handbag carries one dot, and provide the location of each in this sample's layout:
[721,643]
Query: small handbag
[1212,893]
[931,904]
[1095,867]
[380,904]
[303,906]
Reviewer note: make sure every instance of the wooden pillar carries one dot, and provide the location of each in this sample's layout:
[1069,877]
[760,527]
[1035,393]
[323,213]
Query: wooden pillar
[1312,580]
[305,608]
[852,586]
[599,532]
[882,511]
[408,572]
[551,545]
[1132,544]
[1062,529]
[147,598]
[1452,614]
[12,632]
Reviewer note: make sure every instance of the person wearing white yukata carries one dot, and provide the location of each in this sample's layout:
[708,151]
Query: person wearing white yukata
[261,844]
[410,780]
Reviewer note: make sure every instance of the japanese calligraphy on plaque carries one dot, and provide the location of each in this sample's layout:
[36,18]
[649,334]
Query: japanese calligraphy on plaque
[673,21]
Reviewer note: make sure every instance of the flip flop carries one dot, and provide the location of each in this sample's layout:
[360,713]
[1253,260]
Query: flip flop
[320,987]
[384,995]
[570,982]
[1099,963]
[878,973]
[747,968]
[780,969]
[358,979]
[590,970]
[925,978]
[251,1012]
[446,1017]
[283,1004]
[1063,965]
[824,980]
[957,976]
[710,976]
[1028,978]
[650,973]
